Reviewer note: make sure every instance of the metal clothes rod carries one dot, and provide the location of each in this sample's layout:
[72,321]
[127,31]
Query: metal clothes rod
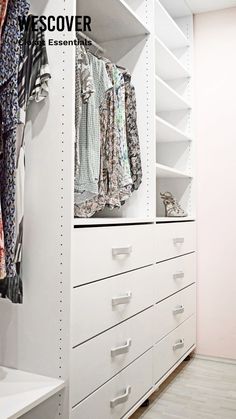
[82,35]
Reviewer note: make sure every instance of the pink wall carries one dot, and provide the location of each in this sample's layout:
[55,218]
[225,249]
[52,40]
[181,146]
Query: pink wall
[215,74]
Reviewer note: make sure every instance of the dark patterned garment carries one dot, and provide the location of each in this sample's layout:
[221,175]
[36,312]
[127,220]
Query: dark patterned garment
[11,286]
[132,133]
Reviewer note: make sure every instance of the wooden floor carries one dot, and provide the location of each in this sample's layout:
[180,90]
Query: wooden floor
[199,389]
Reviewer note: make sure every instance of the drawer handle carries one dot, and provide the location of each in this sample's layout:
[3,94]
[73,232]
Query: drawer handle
[123,299]
[178,309]
[121,349]
[117,251]
[179,344]
[178,240]
[178,275]
[121,399]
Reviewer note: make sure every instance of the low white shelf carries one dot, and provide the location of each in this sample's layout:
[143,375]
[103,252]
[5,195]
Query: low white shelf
[163,171]
[173,219]
[121,20]
[168,67]
[20,392]
[110,221]
[167,99]
[167,133]
[167,30]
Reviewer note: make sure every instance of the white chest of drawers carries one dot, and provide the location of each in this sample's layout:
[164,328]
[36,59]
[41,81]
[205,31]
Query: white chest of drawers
[133,314]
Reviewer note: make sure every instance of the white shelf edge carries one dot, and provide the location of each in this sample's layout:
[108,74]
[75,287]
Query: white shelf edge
[174,219]
[186,105]
[169,172]
[174,58]
[24,391]
[173,23]
[111,221]
[171,127]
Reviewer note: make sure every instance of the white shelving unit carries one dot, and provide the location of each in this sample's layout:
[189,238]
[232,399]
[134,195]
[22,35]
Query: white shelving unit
[167,133]
[173,57]
[20,391]
[167,30]
[168,67]
[167,172]
[167,99]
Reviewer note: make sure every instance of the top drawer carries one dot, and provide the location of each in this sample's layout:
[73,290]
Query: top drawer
[174,239]
[100,252]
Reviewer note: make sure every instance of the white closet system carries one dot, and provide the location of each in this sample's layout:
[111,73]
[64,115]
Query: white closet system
[109,304]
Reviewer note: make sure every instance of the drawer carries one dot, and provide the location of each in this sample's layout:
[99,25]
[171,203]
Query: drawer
[173,275]
[174,311]
[100,252]
[170,349]
[101,358]
[174,239]
[103,304]
[120,394]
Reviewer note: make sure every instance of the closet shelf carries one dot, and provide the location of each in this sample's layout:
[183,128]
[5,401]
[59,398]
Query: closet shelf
[120,20]
[21,391]
[168,67]
[167,99]
[110,221]
[173,219]
[167,133]
[167,30]
[168,172]
[176,8]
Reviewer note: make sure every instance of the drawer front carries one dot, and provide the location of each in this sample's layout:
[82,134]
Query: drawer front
[101,305]
[174,239]
[117,396]
[173,275]
[99,359]
[170,349]
[173,311]
[100,252]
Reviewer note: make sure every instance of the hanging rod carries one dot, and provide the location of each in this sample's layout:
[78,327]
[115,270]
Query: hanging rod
[82,35]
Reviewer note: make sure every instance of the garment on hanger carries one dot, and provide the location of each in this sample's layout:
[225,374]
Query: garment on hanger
[11,286]
[33,78]
[83,89]
[86,183]
[120,157]
[3,13]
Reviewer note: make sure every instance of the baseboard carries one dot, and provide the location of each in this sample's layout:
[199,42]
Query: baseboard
[215,359]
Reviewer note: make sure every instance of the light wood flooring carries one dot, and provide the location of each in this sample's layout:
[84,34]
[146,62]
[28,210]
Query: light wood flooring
[199,389]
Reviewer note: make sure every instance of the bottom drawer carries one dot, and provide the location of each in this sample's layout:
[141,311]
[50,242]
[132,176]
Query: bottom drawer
[170,349]
[120,394]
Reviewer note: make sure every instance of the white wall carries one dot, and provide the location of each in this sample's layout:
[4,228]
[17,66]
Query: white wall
[215,72]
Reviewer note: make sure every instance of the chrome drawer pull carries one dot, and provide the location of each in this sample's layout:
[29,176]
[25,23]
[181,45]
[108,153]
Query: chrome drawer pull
[178,275]
[178,309]
[123,299]
[178,240]
[121,349]
[121,399]
[116,251]
[179,344]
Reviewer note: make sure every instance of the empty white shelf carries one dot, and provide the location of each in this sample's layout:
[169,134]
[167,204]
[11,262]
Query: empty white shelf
[121,21]
[168,67]
[167,30]
[167,133]
[20,392]
[167,99]
[168,172]
[110,221]
[176,8]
